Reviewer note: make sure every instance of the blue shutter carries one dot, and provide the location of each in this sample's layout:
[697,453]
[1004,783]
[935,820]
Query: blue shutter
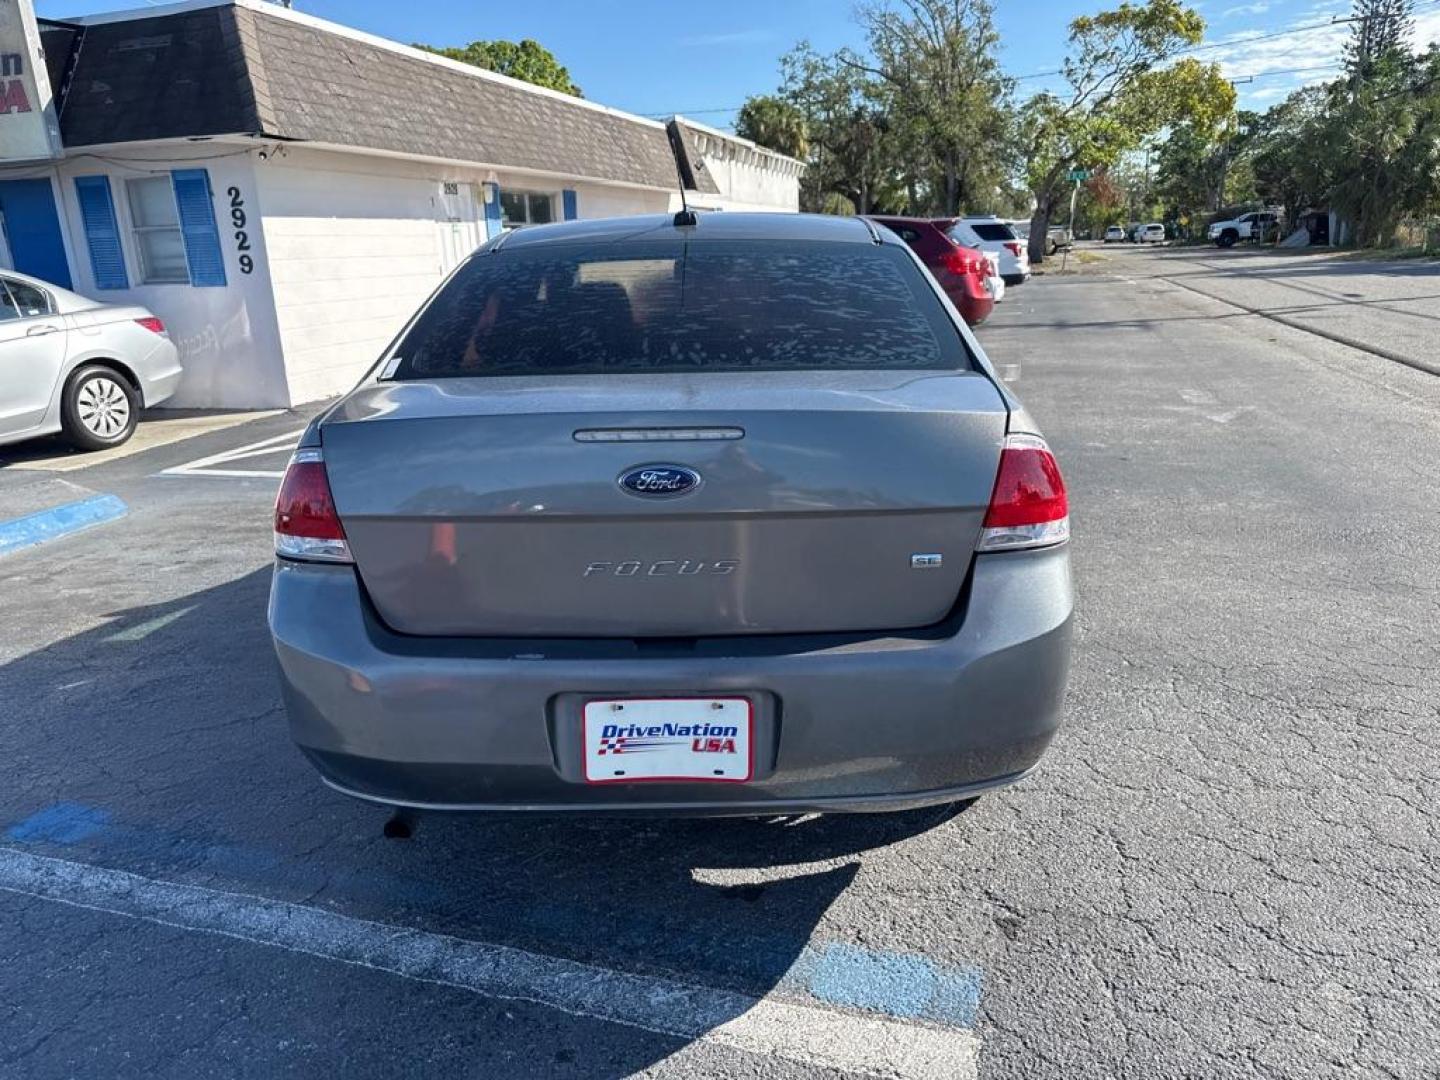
[102,234]
[197,227]
[568,198]
[493,222]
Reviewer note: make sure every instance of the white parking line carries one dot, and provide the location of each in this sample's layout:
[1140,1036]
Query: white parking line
[859,1043]
[206,466]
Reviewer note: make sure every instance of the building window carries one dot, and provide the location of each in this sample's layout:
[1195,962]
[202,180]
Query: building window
[156,224]
[519,208]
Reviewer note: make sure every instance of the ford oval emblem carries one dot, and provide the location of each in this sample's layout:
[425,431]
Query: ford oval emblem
[659,481]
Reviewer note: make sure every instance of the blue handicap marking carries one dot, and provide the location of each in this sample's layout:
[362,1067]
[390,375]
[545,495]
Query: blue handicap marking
[902,985]
[37,528]
[906,986]
[62,823]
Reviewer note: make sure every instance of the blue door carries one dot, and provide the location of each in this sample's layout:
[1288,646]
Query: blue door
[32,230]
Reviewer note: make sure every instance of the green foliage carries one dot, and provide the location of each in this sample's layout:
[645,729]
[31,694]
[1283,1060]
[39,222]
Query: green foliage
[937,71]
[1366,145]
[847,129]
[528,60]
[1122,87]
[775,123]
[919,122]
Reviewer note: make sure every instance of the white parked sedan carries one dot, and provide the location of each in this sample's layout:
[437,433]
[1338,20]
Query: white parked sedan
[1154,233]
[74,365]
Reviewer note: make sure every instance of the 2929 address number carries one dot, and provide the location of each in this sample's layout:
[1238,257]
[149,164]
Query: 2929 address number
[242,238]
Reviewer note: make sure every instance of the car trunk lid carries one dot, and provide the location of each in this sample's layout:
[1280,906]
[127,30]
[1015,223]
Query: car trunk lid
[825,501]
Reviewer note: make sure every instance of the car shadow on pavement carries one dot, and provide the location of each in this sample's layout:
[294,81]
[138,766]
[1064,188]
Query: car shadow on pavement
[156,743]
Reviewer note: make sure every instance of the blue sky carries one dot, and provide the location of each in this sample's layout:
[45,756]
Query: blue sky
[655,57]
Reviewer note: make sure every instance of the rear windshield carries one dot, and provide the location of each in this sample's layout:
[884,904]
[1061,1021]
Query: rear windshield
[672,306]
[992,230]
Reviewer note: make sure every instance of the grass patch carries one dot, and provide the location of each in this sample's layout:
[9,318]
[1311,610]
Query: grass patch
[1074,263]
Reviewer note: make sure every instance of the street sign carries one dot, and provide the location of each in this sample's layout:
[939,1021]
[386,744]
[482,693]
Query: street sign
[1079,174]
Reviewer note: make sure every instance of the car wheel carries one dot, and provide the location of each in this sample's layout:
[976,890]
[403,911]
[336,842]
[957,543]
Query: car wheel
[1227,238]
[99,408]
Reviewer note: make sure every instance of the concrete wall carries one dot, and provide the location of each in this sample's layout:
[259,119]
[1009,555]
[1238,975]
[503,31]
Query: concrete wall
[749,177]
[343,247]
[228,338]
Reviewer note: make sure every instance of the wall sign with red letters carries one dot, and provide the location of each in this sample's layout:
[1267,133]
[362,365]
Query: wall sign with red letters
[28,129]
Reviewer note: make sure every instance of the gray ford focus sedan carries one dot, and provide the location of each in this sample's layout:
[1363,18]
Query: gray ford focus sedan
[727,516]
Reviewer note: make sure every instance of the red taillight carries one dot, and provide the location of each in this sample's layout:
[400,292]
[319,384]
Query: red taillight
[1028,507]
[306,524]
[154,325]
[1013,246]
[959,261]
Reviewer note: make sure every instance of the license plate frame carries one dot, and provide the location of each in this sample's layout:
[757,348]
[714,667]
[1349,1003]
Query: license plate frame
[650,764]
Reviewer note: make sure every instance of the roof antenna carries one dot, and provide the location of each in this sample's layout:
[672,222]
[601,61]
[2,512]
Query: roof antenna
[684,216]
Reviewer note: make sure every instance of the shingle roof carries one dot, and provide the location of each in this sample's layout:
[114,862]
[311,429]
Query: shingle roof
[165,77]
[235,69]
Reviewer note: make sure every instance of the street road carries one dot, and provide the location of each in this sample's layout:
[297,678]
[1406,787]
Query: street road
[1226,866]
[1391,308]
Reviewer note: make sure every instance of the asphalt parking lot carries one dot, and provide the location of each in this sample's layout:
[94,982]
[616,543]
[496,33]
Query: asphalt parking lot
[1226,866]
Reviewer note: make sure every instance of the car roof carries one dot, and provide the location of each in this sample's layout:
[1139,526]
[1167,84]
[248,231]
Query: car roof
[941,223]
[64,298]
[712,225]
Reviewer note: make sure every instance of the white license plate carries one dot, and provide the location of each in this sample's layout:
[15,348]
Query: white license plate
[630,739]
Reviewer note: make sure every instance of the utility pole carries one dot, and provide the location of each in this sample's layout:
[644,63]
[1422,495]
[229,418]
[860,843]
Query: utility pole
[1229,136]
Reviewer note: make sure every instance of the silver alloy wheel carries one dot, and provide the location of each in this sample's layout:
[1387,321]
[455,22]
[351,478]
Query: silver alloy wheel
[103,407]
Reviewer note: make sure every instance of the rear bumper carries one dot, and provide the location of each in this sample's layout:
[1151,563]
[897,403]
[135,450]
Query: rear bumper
[846,724]
[973,309]
[160,374]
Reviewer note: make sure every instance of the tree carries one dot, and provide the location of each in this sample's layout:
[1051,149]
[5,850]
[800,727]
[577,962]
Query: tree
[1122,87]
[847,130]
[1197,166]
[528,61]
[1367,145]
[936,69]
[775,123]
[1381,27]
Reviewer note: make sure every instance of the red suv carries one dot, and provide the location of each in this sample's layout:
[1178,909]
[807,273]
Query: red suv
[961,271]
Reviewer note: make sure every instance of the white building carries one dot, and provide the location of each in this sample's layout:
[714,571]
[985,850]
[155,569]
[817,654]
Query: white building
[284,191]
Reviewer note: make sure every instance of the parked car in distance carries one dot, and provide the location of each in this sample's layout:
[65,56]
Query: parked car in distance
[992,234]
[1057,237]
[960,271]
[76,366]
[1114,234]
[1252,226]
[626,492]
[1154,233]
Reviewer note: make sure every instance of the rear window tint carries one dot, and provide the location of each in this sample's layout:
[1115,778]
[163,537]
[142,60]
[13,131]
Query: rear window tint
[669,306]
[992,230]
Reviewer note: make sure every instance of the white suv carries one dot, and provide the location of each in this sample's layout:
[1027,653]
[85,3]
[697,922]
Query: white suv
[990,233]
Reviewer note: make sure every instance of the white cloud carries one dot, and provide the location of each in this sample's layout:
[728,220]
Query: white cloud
[732,37]
[1303,57]
[1257,8]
